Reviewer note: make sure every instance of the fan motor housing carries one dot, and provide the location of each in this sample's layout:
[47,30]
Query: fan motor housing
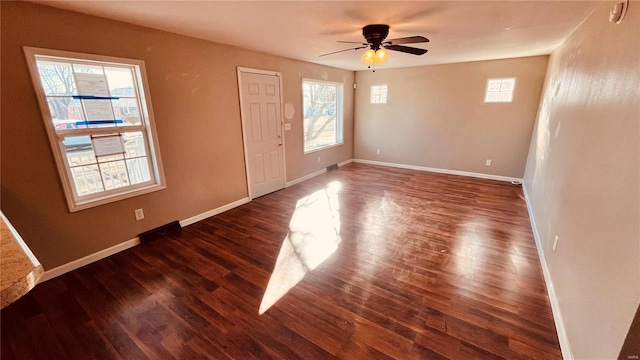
[375,34]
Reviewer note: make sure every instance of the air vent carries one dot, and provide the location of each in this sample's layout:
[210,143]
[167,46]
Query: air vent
[332,167]
[159,231]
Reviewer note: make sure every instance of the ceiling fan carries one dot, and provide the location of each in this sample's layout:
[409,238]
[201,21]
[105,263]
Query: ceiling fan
[375,36]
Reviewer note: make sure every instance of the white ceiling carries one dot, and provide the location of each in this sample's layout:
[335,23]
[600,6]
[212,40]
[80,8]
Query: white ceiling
[459,30]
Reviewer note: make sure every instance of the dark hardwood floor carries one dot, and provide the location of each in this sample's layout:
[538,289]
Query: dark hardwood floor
[364,262]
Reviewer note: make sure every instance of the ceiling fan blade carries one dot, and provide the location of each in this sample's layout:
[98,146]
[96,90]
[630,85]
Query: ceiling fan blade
[408,40]
[343,50]
[351,42]
[406,49]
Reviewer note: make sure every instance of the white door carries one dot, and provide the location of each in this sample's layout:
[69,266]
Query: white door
[262,130]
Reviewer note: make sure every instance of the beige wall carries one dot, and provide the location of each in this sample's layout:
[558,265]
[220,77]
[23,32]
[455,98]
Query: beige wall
[436,116]
[583,180]
[193,88]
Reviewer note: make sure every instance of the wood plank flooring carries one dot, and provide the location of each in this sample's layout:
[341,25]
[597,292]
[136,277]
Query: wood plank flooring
[365,262]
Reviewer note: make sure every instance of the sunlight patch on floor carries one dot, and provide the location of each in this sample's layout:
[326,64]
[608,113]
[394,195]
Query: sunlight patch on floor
[314,234]
[469,251]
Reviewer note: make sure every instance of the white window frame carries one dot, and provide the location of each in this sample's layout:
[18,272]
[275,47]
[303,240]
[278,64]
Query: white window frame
[376,97]
[339,115]
[75,201]
[501,88]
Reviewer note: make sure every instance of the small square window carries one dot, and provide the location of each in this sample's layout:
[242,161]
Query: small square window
[378,94]
[500,90]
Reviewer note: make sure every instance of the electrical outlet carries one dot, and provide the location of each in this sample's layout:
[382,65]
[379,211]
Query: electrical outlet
[318,158]
[377,151]
[488,163]
[139,214]
[555,243]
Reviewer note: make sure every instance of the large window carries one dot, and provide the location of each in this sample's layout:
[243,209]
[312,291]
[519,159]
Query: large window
[322,104]
[98,116]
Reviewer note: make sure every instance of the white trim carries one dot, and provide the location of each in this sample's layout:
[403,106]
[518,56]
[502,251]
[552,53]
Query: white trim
[312,175]
[282,131]
[306,177]
[323,148]
[210,213]
[565,346]
[76,264]
[440,171]
[258,71]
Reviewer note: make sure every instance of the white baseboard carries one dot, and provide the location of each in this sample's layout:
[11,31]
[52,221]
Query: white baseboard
[210,213]
[319,172]
[76,264]
[565,347]
[306,177]
[437,170]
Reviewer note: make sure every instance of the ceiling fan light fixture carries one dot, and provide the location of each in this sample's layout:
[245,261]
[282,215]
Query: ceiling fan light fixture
[381,56]
[377,57]
[369,57]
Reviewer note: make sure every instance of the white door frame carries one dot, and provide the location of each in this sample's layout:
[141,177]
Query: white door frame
[242,118]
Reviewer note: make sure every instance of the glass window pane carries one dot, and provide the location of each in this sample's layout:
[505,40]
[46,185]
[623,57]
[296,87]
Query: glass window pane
[505,96]
[493,85]
[138,170]
[127,111]
[321,115]
[383,94]
[114,174]
[77,143]
[507,85]
[64,112]
[134,144]
[80,156]
[120,81]
[375,94]
[56,78]
[88,69]
[98,109]
[87,179]
[492,96]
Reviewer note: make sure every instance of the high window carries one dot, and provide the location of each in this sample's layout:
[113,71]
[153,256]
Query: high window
[322,104]
[378,94]
[500,90]
[98,116]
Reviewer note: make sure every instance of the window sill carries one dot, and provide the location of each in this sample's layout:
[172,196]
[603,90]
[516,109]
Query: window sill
[323,148]
[87,204]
